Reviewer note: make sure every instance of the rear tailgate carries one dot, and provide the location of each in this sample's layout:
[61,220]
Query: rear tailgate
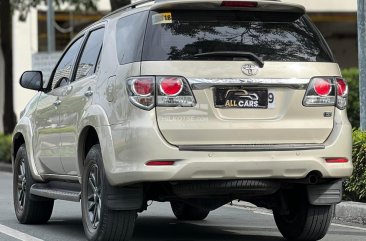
[286,120]
[239,101]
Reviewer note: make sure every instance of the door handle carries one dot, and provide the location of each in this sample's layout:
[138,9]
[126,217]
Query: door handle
[57,102]
[88,93]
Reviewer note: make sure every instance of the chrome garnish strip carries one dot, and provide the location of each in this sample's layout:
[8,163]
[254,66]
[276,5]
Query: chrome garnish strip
[252,148]
[205,83]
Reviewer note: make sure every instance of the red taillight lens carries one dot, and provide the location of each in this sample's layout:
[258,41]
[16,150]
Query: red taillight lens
[239,4]
[342,87]
[146,92]
[160,163]
[322,87]
[336,160]
[143,86]
[171,86]
[141,91]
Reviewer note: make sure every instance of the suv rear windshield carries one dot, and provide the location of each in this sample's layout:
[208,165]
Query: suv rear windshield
[188,35]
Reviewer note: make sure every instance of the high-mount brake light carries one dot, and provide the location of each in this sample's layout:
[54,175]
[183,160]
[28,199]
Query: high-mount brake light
[239,4]
[327,91]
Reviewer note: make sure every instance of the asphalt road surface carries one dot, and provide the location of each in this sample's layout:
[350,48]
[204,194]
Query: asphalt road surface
[157,224]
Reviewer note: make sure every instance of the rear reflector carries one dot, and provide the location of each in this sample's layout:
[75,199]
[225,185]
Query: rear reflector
[160,163]
[239,4]
[336,160]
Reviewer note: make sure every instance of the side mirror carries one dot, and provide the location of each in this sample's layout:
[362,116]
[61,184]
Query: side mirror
[32,80]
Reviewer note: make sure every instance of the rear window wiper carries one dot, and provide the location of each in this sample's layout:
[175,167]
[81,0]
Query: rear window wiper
[248,55]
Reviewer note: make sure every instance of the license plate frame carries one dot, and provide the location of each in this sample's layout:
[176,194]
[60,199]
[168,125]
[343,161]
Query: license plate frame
[241,98]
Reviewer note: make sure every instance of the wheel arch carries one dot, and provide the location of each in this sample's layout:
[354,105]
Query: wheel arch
[23,134]
[88,137]
[18,141]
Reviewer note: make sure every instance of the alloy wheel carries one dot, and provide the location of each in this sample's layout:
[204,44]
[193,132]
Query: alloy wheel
[94,202]
[22,184]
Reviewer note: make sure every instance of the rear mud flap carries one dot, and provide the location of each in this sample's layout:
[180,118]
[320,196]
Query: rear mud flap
[325,194]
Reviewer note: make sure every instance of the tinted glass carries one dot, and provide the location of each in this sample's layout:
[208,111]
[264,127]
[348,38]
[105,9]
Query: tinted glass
[64,69]
[130,36]
[182,35]
[89,57]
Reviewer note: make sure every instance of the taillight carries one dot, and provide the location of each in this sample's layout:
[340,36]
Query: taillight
[342,87]
[342,93]
[239,4]
[174,91]
[322,87]
[141,91]
[320,92]
[171,86]
[171,91]
[143,86]
[327,91]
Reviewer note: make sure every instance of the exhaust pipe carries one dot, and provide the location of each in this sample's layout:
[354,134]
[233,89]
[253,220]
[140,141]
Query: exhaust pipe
[312,179]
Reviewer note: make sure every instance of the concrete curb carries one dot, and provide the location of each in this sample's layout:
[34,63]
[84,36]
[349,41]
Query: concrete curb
[350,212]
[5,167]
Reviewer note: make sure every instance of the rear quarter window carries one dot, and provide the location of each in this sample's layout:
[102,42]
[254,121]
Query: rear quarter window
[182,35]
[130,36]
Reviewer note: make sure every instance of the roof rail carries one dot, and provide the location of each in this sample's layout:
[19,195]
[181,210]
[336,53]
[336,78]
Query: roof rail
[128,7]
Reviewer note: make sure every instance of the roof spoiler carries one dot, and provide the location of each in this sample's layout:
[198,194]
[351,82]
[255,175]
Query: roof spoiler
[245,5]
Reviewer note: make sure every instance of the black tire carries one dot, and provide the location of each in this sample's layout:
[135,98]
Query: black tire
[304,221]
[29,209]
[186,212]
[99,222]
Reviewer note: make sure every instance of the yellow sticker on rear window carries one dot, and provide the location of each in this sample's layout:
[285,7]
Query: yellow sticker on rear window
[162,18]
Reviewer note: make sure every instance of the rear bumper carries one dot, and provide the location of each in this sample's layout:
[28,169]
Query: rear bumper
[130,147]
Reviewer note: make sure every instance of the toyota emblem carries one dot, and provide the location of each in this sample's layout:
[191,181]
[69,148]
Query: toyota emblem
[250,69]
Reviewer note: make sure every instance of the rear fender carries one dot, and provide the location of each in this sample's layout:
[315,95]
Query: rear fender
[96,117]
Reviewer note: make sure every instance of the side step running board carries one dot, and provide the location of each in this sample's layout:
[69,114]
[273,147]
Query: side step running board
[57,190]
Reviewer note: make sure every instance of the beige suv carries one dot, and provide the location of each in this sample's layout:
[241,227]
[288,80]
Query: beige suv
[193,102]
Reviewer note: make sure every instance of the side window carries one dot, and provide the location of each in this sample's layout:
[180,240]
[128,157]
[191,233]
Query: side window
[64,69]
[130,37]
[89,57]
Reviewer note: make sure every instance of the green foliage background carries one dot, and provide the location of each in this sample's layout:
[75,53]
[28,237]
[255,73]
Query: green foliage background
[355,186]
[5,148]
[353,109]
